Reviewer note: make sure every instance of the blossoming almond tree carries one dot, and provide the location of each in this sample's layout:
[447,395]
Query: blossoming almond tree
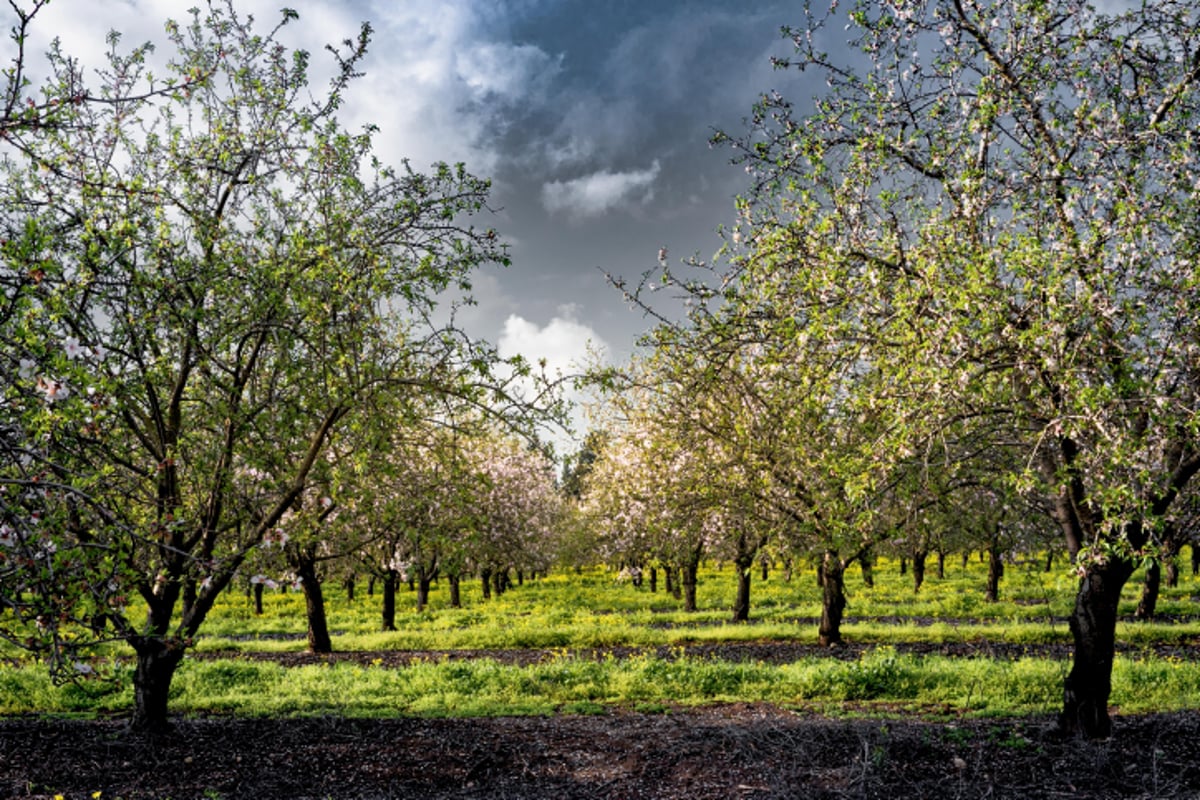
[999,199]
[201,284]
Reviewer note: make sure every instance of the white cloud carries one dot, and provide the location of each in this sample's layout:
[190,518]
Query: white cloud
[565,343]
[567,346]
[595,194]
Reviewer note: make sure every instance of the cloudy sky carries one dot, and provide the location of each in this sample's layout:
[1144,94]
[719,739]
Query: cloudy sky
[591,116]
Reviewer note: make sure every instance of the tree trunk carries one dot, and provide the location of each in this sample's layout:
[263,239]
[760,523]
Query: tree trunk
[689,584]
[370,586]
[903,565]
[766,565]
[1050,559]
[833,600]
[741,604]
[995,572]
[941,565]
[156,664]
[349,584]
[965,558]
[1148,603]
[1093,627]
[423,582]
[866,564]
[1172,573]
[485,577]
[314,607]
[669,574]
[258,595]
[390,579]
[918,569]
[455,591]
[654,579]
[1195,559]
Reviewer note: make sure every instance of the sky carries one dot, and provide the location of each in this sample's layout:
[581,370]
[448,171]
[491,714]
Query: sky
[592,118]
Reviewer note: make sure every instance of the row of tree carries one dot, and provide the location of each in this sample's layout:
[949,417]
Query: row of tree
[217,334]
[963,291]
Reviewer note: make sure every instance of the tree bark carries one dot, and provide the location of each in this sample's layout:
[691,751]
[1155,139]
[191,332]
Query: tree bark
[1148,604]
[741,604]
[349,584]
[688,580]
[258,596]
[1172,571]
[390,579]
[423,581]
[1093,627]
[866,564]
[1195,559]
[455,591]
[485,577]
[995,572]
[314,607]
[654,579]
[941,565]
[833,600]
[156,664]
[918,569]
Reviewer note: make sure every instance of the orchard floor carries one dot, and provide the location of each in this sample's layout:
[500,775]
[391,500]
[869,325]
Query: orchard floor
[728,751]
[719,752]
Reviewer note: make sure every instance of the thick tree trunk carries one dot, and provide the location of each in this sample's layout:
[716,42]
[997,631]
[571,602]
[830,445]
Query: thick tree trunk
[833,600]
[1148,603]
[741,604]
[370,586]
[654,579]
[672,584]
[918,569]
[995,572]
[258,596]
[1195,559]
[156,664]
[1093,626]
[349,586]
[485,578]
[941,565]
[390,579]
[455,591]
[314,607]
[1172,571]
[903,565]
[766,566]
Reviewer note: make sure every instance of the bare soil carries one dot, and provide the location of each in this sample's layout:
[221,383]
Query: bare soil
[729,751]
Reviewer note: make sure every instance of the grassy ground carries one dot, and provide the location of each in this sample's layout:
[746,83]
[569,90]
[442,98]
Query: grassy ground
[578,616]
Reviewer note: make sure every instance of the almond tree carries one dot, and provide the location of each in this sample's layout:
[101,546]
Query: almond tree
[1000,200]
[202,283]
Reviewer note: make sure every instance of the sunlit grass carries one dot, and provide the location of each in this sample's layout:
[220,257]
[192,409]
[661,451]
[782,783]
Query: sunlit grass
[579,615]
[880,681]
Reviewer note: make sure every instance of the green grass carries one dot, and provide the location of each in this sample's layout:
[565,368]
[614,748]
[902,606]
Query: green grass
[880,681]
[576,614]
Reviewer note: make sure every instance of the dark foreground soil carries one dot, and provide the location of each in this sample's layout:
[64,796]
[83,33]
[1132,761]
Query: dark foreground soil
[721,752]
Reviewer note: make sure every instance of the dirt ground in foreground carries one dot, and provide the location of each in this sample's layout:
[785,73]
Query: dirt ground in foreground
[737,751]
